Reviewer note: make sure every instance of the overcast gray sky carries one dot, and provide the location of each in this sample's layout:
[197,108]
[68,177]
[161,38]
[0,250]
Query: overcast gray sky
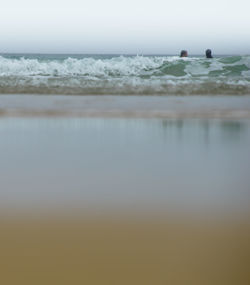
[125,26]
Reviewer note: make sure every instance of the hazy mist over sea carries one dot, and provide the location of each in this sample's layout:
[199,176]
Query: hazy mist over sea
[132,26]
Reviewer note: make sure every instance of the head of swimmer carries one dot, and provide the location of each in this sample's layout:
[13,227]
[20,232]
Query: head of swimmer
[209,53]
[183,53]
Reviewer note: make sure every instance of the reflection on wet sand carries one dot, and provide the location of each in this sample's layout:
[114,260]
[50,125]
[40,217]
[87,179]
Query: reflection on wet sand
[125,163]
[124,201]
[230,130]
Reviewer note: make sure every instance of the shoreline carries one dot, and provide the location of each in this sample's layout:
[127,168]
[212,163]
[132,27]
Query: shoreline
[125,106]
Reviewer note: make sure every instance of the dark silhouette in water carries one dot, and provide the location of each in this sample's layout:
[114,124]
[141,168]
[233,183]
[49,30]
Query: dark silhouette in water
[183,53]
[209,53]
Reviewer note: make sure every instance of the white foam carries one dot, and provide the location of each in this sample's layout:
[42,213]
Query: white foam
[119,66]
[123,75]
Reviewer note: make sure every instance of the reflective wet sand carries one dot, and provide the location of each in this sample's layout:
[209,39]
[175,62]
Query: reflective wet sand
[124,200]
[126,106]
[194,165]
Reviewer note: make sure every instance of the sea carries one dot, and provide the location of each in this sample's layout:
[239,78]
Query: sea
[84,74]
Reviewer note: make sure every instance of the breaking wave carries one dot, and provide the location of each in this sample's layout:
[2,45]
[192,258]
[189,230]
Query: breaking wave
[124,75]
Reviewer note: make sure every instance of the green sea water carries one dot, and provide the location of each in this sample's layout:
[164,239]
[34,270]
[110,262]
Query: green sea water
[123,74]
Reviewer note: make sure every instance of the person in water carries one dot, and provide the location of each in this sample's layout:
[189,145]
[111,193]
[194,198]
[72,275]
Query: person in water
[209,53]
[183,53]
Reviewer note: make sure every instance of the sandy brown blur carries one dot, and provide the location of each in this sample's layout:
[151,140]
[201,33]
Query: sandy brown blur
[123,251]
[124,201]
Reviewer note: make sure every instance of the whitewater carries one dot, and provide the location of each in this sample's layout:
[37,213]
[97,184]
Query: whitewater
[124,75]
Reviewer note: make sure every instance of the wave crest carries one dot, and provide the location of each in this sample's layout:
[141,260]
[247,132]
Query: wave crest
[126,75]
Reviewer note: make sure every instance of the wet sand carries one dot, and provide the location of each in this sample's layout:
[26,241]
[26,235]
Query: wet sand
[126,106]
[128,190]
[152,165]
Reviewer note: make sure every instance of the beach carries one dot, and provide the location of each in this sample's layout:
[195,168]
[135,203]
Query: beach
[108,250]
[124,142]
[124,169]
[194,106]
[124,189]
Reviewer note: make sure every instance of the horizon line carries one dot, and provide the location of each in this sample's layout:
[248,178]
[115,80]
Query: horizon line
[116,53]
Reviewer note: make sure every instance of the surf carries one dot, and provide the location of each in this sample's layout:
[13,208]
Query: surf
[102,74]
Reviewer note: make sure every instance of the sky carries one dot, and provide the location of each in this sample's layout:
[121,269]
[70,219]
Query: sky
[125,26]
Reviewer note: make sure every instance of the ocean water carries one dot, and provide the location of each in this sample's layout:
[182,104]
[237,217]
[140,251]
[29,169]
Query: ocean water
[123,74]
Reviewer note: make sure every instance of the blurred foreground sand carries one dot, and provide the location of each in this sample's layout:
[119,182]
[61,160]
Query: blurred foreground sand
[123,251]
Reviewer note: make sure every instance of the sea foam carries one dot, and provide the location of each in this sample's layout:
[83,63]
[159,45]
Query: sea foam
[124,75]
